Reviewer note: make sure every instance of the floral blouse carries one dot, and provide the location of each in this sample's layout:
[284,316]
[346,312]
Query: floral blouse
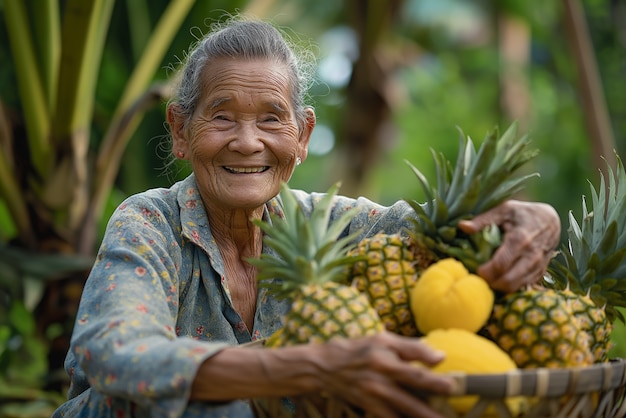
[157,304]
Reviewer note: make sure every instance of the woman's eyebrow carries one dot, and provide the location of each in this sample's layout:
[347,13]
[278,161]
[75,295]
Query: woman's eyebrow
[218,102]
[277,106]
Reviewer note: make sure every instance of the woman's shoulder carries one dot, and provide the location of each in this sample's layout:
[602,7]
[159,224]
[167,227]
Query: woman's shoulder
[308,200]
[157,204]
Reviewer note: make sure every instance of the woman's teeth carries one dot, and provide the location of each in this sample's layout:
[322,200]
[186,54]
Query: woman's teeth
[246,170]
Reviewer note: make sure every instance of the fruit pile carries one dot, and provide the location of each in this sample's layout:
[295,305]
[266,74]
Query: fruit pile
[422,282]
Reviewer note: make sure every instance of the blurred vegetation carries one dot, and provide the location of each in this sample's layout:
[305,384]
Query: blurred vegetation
[395,79]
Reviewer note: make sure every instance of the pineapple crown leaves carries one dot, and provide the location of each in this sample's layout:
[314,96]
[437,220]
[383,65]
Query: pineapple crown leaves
[308,250]
[594,260]
[480,180]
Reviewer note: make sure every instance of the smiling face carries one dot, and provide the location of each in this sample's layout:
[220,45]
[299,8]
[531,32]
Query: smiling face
[243,139]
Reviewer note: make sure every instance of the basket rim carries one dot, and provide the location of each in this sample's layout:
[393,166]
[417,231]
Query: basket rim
[599,377]
[541,382]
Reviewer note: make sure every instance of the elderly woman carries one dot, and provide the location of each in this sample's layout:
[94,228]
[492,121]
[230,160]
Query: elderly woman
[171,298]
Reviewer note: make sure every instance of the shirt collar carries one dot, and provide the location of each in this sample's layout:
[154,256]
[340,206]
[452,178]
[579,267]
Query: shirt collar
[193,217]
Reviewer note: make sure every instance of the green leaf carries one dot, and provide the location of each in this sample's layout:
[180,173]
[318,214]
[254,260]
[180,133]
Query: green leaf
[442,173]
[440,211]
[337,227]
[610,264]
[21,319]
[158,44]
[619,286]
[597,220]
[36,114]
[12,196]
[47,24]
[588,279]
[126,116]
[428,191]
[467,205]
[575,233]
[446,233]
[608,284]
[321,214]
[42,266]
[463,162]
[483,158]
[85,23]
[608,243]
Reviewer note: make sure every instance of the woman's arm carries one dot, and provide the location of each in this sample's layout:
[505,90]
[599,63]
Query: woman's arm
[125,341]
[374,373]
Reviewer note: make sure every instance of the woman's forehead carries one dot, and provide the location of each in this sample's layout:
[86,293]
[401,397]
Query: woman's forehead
[228,80]
[257,99]
[245,71]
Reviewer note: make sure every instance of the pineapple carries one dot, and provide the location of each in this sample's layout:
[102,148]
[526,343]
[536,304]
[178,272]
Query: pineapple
[385,272]
[584,285]
[537,328]
[480,180]
[591,269]
[310,262]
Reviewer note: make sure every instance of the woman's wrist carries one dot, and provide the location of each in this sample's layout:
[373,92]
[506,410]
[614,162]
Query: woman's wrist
[239,373]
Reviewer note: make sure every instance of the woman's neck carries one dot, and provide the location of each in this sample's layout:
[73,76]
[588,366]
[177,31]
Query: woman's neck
[234,229]
[238,239]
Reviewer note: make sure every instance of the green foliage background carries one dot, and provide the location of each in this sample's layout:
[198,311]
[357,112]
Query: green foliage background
[452,85]
[450,82]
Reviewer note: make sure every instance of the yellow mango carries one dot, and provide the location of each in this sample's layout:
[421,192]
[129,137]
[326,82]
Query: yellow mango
[470,353]
[446,296]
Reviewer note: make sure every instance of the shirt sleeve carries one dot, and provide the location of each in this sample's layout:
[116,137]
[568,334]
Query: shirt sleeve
[371,217]
[125,338]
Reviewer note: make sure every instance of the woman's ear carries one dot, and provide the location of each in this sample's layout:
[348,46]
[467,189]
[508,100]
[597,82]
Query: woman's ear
[306,131]
[176,122]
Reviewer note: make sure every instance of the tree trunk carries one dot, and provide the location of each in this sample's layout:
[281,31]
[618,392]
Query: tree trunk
[592,98]
[367,103]
[514,55]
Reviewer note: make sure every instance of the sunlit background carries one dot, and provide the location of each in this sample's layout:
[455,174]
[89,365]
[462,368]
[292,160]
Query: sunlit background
[394,81]
[435,66]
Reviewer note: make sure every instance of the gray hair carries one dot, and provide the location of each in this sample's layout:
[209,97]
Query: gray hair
[245,39]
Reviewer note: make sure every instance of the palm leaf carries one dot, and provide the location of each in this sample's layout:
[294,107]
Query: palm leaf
[36,114]
[127,114]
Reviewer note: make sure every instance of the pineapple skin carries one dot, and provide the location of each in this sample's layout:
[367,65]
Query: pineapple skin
[594,321]
[320,313]
[385,274]
[537,328]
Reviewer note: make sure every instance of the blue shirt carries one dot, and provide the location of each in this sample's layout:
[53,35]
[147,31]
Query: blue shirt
[157,304]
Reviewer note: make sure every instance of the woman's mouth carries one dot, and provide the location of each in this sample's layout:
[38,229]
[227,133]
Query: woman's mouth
[246,170]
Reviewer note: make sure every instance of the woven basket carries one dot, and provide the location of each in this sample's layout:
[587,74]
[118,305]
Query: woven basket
[587,392]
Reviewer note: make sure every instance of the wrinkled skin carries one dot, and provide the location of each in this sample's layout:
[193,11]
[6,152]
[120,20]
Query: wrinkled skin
[380,374]
[531,233]
[376,377]
[243,139]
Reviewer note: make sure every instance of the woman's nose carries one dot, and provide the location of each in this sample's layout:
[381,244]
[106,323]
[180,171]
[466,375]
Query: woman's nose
[248,139]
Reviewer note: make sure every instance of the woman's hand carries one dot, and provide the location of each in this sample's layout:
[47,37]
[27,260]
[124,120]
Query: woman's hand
[375,374]
[531,233]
